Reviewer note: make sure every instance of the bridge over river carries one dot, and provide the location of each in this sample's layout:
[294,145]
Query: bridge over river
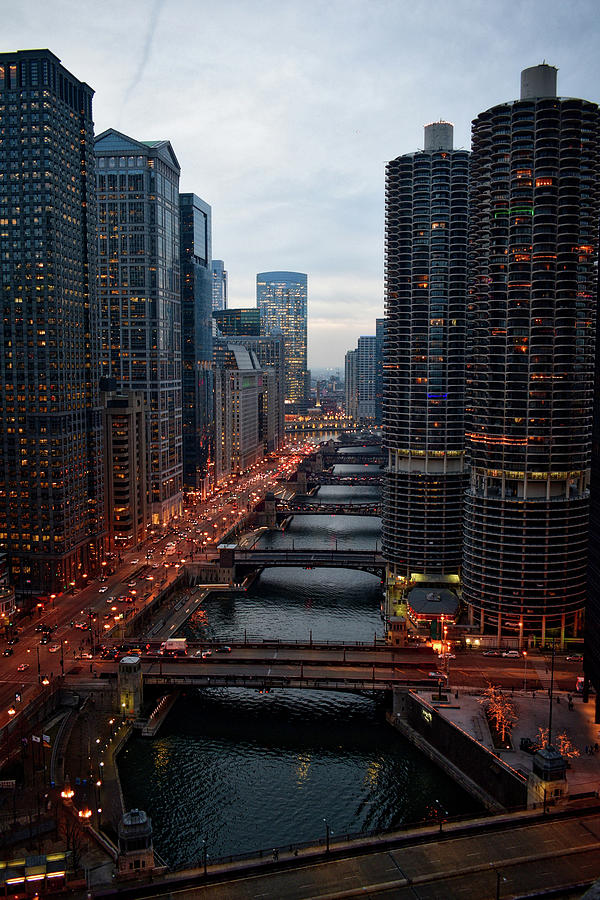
[337,667]
[314,508]
[248,560]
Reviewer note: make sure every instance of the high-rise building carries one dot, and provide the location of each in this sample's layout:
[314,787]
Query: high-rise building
[361,380]
[269,351]
[351,385]
[282,300]
[219,285]
[379,335]
[424,362]
[51,463]
[125,467]
[238,386]
[534,242]
[196,342]
[140,300]
[232,322]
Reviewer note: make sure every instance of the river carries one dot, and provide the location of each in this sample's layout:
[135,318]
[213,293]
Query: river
[247,770]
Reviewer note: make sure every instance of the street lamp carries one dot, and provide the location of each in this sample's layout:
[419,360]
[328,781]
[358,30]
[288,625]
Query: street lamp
[525,676]
[328,832]
[441,812]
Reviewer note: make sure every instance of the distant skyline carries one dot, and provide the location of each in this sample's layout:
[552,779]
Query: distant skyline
[283,114]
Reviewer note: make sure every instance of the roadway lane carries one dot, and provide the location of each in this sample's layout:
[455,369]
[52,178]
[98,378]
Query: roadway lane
[520,859]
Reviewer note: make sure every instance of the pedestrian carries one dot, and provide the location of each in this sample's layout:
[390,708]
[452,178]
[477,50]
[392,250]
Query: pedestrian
[275,855]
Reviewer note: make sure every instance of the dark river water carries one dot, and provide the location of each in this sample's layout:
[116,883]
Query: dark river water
[247,770]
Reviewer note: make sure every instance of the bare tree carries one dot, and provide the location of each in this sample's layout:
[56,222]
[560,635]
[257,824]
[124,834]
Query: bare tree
[499,710]
[565,746]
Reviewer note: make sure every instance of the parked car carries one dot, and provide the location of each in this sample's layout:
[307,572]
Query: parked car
[511,654]
[492,653]
[577,657]
[224,649]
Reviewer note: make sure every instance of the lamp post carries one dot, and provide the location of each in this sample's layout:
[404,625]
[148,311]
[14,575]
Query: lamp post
[525,676]
[441,812]
[499,877]
[328,832]
[204,855]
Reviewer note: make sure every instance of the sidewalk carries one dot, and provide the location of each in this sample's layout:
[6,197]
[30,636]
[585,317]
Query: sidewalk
[532,710]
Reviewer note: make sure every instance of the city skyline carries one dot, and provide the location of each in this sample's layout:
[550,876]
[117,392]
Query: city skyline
[290,153]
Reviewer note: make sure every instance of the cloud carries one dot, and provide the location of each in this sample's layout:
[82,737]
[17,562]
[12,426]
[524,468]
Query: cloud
[283,113]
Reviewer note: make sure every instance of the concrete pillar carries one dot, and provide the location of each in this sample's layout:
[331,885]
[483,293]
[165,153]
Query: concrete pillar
[499,628]
[543,630]
[563,622]
[481,621]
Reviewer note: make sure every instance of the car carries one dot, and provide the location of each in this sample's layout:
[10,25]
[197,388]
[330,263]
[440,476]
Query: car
[103,589]
[23,667]
[156,565]
[134,562]
[132,584]
[447,656]
[44,638]
[81,625]
[53,648]
[223,649]
[577,657]
[511,654]
[8,651]
[85,654]
[492,653]
[110,599]
[438,675]
[13,640]
[206,654]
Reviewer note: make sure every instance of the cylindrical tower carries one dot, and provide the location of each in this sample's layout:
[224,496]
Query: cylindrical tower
[424,359]
[534,228]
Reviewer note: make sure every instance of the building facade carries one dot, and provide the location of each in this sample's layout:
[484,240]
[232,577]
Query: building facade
[125,468]
[196,342]
[51,471]
[233,322]
[350,385]
[140,300]
[379,335]
[534,227]
[238,386]
[282,300]
[219,285]
[269,353]
[424,362]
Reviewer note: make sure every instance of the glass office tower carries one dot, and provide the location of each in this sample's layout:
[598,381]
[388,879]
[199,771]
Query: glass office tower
[534,243]
[424,362]
[140,299]
[282,300]
[196,342]
[51,462]
[219,285]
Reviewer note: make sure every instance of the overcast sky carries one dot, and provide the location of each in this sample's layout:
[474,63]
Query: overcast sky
[282,113]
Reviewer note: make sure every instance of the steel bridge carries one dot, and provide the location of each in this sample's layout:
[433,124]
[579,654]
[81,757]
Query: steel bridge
[271,664]
[366,560]
[312,508]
